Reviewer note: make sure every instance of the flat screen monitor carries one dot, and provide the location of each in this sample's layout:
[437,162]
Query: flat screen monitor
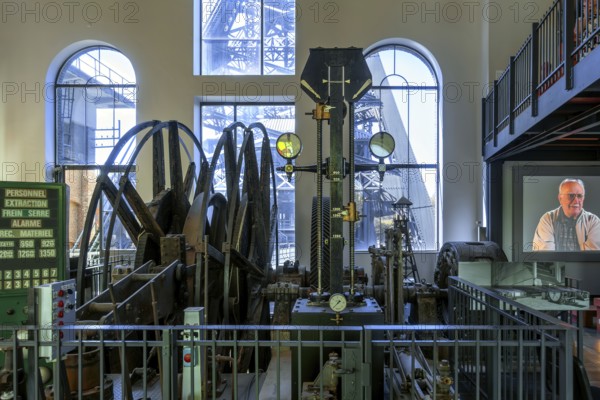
[535,192]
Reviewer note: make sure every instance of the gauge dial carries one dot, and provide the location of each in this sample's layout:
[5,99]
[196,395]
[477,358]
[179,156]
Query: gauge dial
[382,144]
[289,145]
[554,296]
[338,302]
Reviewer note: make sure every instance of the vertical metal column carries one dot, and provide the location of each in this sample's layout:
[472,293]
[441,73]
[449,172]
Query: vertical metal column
[336,176]
[351,193]
[319,205]
[333,77]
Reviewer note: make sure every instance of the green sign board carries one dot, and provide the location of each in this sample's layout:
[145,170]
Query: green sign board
[33,247]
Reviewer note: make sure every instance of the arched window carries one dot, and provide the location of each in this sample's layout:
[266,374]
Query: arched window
[404,101]
[95,104]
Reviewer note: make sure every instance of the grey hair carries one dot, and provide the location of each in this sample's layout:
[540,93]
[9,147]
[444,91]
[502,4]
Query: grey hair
[576,180]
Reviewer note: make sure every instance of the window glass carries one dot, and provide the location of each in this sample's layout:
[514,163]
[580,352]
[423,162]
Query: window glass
[277,119]
[248,37]
[404,102]
[96,101]
[95,93]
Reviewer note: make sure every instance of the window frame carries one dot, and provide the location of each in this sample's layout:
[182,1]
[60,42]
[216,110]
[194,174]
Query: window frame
[61,170]
[199,12]
[280,175]
[415,90]
[57,118]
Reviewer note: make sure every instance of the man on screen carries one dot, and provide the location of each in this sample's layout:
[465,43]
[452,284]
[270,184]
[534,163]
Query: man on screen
[568,227]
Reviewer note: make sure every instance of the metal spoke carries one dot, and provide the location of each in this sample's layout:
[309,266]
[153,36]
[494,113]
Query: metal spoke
[158,165]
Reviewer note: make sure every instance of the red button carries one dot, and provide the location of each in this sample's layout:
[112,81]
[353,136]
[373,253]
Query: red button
[60,334]
[61,323]
[60,314]
[61,293]
[61,304]
[187,358]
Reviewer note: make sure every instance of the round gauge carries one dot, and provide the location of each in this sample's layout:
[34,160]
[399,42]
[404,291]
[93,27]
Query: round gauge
[554,296]
[338,302]
[382,144]
[289,145]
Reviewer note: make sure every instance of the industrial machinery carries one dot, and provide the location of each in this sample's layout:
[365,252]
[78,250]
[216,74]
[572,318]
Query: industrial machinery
[204,257]
[194,247]
[335,79]
[207,257]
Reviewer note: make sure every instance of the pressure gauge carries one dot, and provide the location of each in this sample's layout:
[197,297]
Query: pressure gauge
[554,296]
[382,144]
[337,302]
[289,145]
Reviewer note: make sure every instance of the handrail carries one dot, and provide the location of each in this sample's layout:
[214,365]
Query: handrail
[539,64]
[494,348]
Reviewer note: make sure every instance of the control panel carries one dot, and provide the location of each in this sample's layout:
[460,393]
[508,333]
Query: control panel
[33,244]
[192,355]
[55,308]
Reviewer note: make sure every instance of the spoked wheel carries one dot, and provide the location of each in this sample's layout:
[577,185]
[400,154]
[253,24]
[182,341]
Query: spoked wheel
[145,223]
[207,222]
[229,237]
[251,218]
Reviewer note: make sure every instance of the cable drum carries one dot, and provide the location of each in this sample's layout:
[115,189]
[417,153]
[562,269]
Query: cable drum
[224,239]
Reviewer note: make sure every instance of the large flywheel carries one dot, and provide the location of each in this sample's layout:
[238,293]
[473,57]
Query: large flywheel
[250,236]
[145,223]
[229,235]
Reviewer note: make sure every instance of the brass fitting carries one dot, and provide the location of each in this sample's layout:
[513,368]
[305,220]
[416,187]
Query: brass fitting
[321,111]
[350,213]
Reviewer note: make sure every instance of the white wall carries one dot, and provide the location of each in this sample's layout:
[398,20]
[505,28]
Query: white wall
[158,35]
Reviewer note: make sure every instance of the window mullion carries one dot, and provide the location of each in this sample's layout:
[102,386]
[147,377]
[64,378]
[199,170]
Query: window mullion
[262,37]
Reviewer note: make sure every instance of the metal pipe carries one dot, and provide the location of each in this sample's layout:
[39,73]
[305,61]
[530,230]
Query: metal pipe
[319,205]
[389,278]
[351,193]
[205,266]
[400,277]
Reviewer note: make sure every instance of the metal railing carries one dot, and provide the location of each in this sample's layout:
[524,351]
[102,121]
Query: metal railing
[533,351]
[565,29]
[495,349]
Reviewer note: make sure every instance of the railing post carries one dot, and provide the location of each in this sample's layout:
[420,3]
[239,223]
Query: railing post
[535,68]
[169,372]
[495,113]
[565,372]
[367,344]
[484,126]
[511,95]
[568,40]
